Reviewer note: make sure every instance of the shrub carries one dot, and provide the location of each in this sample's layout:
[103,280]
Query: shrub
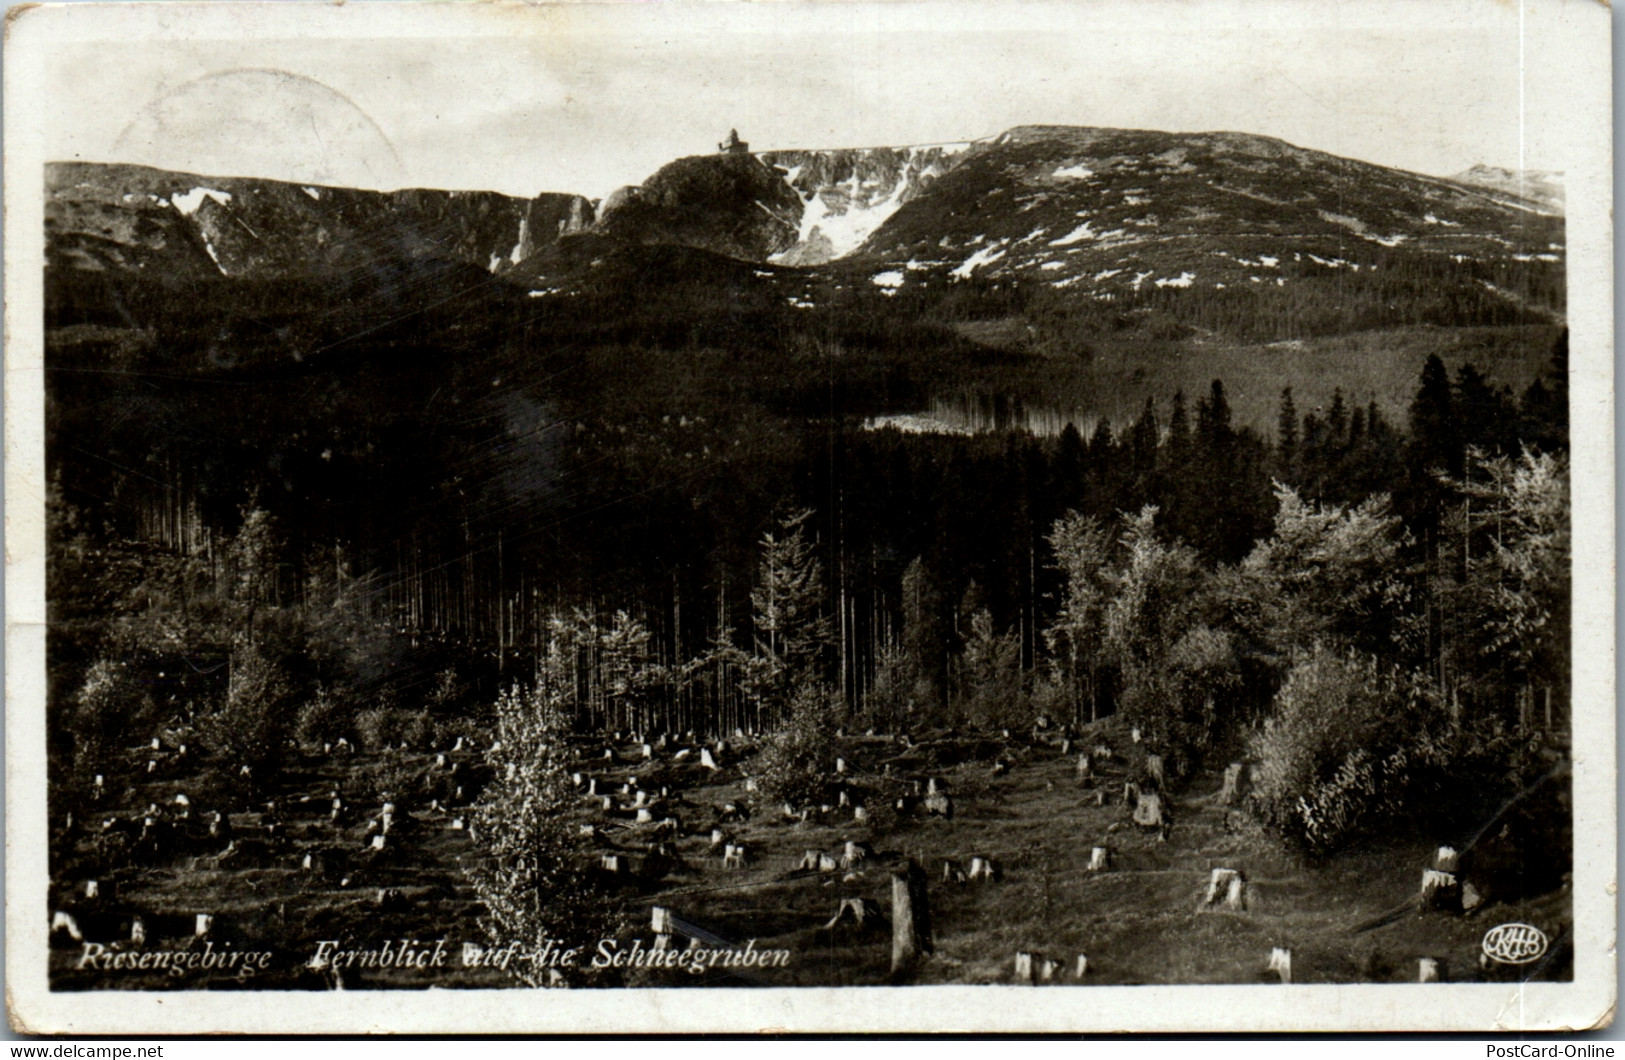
[395,776]
[378,728]
[109,704]
[415,727]
[1347,748]
[250,728]
[323,719]
[889,701]
[531,880]
[797,758]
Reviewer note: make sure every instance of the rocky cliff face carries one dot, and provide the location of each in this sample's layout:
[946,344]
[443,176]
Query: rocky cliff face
[787,207]
[118,217]
[847,194]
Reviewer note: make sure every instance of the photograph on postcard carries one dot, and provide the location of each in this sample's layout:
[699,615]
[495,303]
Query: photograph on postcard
[807,496]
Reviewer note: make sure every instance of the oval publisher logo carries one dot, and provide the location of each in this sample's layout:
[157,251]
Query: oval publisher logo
[1514,943]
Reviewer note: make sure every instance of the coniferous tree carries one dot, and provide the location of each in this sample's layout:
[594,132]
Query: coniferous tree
[1435,438]
[792,627]
[1286,439]
[1544,409]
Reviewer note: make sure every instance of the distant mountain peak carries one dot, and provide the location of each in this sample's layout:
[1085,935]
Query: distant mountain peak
[1541,186]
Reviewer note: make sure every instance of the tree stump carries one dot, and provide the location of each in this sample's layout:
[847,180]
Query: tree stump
[983,867]
[911,917]
[1446,859]
[1231,793]
[860,813]
[1148,810]
[939,805]
[828,863]
[1099,859]
[1134,734]
[859,912]
[707,759]
[1154,769]
[1281,963]
[952,872]
[1027,968]
[734,856]
[660,920]
[1100,796]
[1084,768]
[1235,896]
[1082,967]
[1429,970]
[855,854]
[809,861]
[1227,886]
[1066,747]
[1035,968]
[1441,891]
[64,923]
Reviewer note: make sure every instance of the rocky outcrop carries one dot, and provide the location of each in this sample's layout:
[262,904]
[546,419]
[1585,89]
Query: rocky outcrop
[118,217]
[731,204]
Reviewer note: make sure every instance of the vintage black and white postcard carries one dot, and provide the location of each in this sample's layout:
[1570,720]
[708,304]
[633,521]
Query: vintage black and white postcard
[821,516]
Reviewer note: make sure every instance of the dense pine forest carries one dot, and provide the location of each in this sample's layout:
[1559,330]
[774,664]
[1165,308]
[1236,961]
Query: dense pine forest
[1215,583]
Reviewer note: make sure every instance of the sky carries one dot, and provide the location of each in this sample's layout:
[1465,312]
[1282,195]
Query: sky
[588,97]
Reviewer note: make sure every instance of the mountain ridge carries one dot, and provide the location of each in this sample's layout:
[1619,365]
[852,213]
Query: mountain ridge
[101,216]
[1089,214]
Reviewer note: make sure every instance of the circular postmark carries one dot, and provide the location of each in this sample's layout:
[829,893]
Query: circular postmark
[1514,943]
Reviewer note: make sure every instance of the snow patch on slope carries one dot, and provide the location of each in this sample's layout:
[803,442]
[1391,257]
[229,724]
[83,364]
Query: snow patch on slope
[188,203]
[1077,235]
[986,256]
